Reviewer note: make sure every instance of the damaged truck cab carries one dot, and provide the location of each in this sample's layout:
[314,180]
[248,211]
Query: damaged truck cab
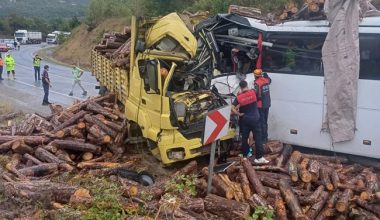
[162,102]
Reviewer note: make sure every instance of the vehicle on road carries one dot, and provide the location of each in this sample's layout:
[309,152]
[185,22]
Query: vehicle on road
[168,112]
[8,42]
[53,38]
[292,57]
[3,48]
[28,37]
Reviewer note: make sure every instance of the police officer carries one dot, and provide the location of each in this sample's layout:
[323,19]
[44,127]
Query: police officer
[245,106]
[261,85]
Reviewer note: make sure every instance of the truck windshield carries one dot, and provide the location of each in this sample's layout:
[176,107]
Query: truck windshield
[19,34]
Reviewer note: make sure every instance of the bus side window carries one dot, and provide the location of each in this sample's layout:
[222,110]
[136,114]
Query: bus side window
[299,54]
[369,56]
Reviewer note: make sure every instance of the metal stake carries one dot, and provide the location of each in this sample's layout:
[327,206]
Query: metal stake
[211,167]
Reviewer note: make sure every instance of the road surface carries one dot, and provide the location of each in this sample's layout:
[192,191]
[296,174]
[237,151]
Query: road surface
[25,94]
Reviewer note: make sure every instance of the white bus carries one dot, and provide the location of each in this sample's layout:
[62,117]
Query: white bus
[294,64]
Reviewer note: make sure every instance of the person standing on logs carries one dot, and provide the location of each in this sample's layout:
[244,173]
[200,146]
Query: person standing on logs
[261,85]
[245,106]
[77,74]
[1,67]
[46,85]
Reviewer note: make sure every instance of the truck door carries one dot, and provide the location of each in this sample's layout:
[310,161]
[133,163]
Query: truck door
[149,116]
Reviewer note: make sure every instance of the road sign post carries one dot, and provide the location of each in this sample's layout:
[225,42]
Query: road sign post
[216,126]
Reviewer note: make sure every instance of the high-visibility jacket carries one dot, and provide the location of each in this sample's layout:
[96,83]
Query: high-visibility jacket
[1,62]
[263,92]
[37,62]
[77,73]
[248,104]
[10,62]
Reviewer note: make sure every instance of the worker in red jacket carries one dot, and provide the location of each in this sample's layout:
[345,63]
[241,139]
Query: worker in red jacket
[245,106]
[261,85]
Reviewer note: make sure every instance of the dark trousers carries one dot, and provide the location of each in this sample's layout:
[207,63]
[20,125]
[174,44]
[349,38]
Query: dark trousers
[37,73]
[1,72]
[247,125]
[46,92]
[264,112]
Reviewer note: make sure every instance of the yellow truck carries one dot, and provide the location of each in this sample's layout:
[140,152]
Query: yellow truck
[167,111]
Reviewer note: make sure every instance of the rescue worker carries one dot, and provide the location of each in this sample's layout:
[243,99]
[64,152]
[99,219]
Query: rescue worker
[245,106]
[37,67]
[77,74]
[164,73]
[261,85]
[46,85]
[1,67]
[10,62]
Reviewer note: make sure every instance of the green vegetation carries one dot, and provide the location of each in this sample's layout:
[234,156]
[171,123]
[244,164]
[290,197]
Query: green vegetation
[182,184]
[262,213]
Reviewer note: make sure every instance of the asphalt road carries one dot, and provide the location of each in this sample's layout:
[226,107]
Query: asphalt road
[25,94]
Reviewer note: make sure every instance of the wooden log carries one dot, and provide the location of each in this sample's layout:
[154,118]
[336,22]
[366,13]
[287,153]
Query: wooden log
[313,7]
[221,188]
[64,132]
[333,198]
[223,207]
[194,204]
[101,165]
[245,184]
[39,170]
[280,209]
[13,164]
[186,170]
[285,155]
[344,186]
[270,169]
[10,116]
[253,178]
[46,156]
[291,200]
[111,44]
[50,148]
[362,214]
[71,121]
[76,133]
[236,189]
[343,202]
[303,173]
[99,134]
[295,158]
[115,126]
[372,182]
[29,140]
[33,159]
[260,201]
[273,175]
[334,159]
[105,128]
[96,108]
[76,146]
[6,146]
[64,156]
[317,207]
[324,173]
[21,148]
[369,207]
[269,182]
[87,156]
[273,146]
[313,198]
[335,179]
[326,214]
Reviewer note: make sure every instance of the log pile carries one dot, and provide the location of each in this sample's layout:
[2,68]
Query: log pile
[116,47]
[309,10]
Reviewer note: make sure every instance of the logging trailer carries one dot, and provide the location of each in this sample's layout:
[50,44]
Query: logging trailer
[168,112]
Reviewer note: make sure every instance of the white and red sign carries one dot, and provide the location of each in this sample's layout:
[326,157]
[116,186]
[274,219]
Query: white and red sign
[217,123]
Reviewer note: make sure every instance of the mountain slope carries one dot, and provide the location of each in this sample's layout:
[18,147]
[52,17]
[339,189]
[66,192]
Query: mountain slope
[43,8]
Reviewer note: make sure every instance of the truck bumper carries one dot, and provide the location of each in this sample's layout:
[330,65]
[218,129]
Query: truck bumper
[170,152]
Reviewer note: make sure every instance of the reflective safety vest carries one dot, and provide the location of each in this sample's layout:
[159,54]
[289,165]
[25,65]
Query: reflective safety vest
[36,62]
[246,98]
[262,92]
[1,62]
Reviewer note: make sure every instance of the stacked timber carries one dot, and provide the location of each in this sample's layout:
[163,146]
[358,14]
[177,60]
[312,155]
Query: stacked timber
[116,47]
[309,10]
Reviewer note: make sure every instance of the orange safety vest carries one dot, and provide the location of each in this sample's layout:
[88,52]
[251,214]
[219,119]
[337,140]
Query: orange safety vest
[261,82]
[1,62]
[247,97]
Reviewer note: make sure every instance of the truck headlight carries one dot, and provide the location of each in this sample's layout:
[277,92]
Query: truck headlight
[176,153]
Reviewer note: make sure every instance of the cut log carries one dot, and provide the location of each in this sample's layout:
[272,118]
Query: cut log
[76,146]
[326,214]
[237,191]
[96,108]
[115,126]
[71,121]
[369,207]
[9,116]
[29,140]
[76,133]
[291,200]
[343,202]
[33,159]
[317,207]
[101,165]
[313,198]
[253,178]
[105,128]
[87,156]
[372,182]
[362,214]
[285,155]
[7,146]
[333,198]
[221,188]
[245,184]
[188,169]
[303,173]
[324,173]
[39,170]
[194,204]
[273,146]
[21,148]
[334,159]
[280,209]
[260,201]
[335,179]
[46,156]
[99,134]
[223,207]
[64,156]
[64,132]
[294,160]
[269,182]
[313,7]
[12,165]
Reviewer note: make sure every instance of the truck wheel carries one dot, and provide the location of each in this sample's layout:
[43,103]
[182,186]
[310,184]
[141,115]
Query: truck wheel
[103,91]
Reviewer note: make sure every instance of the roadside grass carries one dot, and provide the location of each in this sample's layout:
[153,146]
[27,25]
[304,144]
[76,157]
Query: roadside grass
[5,107]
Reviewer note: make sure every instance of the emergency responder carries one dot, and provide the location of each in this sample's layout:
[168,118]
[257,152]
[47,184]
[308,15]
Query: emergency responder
[245,106]
[1,67]
[37,67]
[261,85]
[46,85]
[10,62]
